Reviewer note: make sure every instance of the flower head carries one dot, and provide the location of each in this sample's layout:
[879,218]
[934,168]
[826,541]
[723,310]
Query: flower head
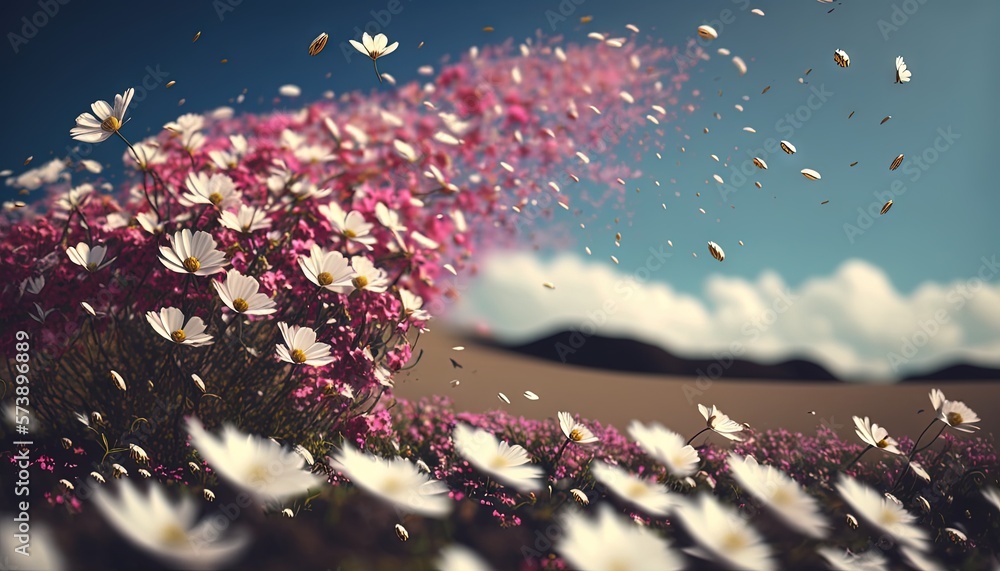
[258,465]
[375,48]
[108,120]
[875,435]
[193,254]
[397,481]
[247,220]
[217,190]
[412,305]
[168,531]
[169,323]
[609,543]
[723,536]
[666,447]
[721,424]
[574,431]
[92,259]
[958,416]
[329,270]
[886,515]
[509,464]
[240,294]
[646,495]
[781,494]
[367,277]
[301,348]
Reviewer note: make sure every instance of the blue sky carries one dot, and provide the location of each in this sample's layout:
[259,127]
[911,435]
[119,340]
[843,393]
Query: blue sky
[942,224]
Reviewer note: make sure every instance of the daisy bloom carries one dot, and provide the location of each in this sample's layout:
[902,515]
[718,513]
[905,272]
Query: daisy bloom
[257,465]
[508,464]
[108,120]
[240,294]
[397,481]
[193,254]
[92,259]
[886,515]
[169,323]
[723,536]
[958,416]
[351,225]
[781,494]
[301,348]
[457,557]
[219,191]
[367,277]
[375,48]
[875,436]
[646,495]
[844,560]
[412,304]
[666,447]
[149,222]
[574,431]
[329,270]
[246,221]
[168,531]
[609,543]
[76,197]
[721,424]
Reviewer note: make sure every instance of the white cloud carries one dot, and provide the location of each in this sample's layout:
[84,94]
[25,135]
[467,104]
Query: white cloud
[853,322]
[32,179]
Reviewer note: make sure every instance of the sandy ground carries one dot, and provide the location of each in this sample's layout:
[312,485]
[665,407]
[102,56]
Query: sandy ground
[617,398]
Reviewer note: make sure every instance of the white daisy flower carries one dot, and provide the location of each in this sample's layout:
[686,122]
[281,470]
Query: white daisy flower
[723,536]
[646,495]
[953,413]
[457,557]
[218,190]
[149,155]
[875,436]
[193,254]
[168,531]
[169,323]
[367,277]
[257,465]
[34,285]
[301,348]
[721,424]
[240,294]
[884,514]
[92,259]
[76,197]
[574,431]
[108,120]
[666,447]
[150,222]
[609,543]
[844,560]
[510,465]
[412,304]
[375,48]
[389,218]
[247,220]
[783,495]
[397,481]
[230,159]
[329,270]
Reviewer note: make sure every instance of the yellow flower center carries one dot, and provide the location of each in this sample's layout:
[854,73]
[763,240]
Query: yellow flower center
[954,418]
[91,267]
[637,490]
[240,304]
[498,463]
[781,497]
[324,278]
[360,282]
[576,435]
[711,422]
[172,534]
[883,443]
[393,486]
[111,124]
[298,356]
[734,541]
[258,475]
[178,336]
[192,264]
[215,198]
[350,233]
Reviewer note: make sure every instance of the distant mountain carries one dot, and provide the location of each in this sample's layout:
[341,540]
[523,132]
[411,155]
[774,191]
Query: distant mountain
[630,355]
[634,356]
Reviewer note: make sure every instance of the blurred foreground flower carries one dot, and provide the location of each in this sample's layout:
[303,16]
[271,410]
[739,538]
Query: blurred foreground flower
[397,481]
[610,543]
[886,515]
[645,495]
[666,447]
[723,536]
[783,495]
[511,465]
[168,531]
